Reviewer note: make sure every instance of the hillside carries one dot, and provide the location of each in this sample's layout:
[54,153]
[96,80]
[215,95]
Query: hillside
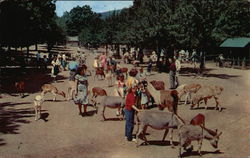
[105,15]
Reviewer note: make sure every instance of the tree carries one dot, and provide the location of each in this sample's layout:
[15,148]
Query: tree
[78,18]
[28,22]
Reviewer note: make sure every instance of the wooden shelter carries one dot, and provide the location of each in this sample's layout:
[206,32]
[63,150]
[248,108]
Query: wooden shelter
[236,47]
[72,41]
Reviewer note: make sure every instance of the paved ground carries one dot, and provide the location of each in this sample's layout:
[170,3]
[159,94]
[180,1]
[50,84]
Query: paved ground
[63,133]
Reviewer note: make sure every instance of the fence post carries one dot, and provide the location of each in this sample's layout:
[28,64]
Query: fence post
[233,63]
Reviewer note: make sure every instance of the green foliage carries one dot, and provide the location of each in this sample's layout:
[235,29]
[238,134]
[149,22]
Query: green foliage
[78,18]
[185,24]
[24,23]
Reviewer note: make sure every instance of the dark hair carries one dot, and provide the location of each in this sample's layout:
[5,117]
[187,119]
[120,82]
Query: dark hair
[80,70]
[133,72]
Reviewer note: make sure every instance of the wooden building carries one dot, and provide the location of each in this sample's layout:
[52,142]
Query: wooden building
[72,41]
[236,48]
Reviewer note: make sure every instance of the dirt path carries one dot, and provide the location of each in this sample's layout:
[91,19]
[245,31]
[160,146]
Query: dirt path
[65,134]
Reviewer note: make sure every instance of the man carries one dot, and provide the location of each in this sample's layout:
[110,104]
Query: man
[221,60]
[178,68]
[73,65]
[38,56]
[202,62]
[172,73]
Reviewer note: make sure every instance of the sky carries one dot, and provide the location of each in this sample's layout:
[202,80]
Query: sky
[97,6]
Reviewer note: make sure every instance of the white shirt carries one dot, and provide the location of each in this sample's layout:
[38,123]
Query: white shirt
[178,65]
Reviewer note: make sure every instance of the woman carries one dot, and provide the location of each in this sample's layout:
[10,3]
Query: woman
[55,67]
[172,73]
[82,90]
[103,60]
[64,62]
[96,64]
[129,111]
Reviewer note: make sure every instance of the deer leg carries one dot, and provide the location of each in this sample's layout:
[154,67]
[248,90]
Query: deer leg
[186,99]
[140,129]
[103,110]
[217,103]
[43,93]
[118,111]
[180,146]
[73,93]
[54,99]
[171,138]
[200,144]
[40,110]
[144,134]
[70,95]
[36,113]
[165,134]
[205,100]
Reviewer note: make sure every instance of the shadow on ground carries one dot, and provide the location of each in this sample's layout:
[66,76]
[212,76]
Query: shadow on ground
[160,143]
[193,72]
[195,153]
[33,78]
[11,119]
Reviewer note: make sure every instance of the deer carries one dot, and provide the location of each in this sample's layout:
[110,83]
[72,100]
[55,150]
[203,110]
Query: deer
[20,85]
[38,106]
[52,89]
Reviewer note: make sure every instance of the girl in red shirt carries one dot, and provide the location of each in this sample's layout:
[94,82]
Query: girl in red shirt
[129,110]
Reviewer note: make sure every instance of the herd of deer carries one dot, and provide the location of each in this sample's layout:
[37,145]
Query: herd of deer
[161,120]
[195,130]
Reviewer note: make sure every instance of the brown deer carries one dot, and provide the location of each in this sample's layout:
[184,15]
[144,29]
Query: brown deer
[198,120]
[20,87]
[52,89]
[99,72]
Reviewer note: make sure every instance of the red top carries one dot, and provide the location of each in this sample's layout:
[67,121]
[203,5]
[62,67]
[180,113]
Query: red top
[130,100]
[172,67]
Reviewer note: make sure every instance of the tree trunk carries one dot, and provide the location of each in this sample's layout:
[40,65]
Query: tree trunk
[35,47]
[27,51]
[118,50]
[106,48]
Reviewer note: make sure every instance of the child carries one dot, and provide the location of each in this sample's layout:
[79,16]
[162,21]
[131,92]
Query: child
[121,88]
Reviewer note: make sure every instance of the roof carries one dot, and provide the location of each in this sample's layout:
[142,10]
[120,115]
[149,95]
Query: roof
[72,38]
[236,42]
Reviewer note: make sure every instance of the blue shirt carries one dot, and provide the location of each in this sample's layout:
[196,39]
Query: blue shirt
[73,65]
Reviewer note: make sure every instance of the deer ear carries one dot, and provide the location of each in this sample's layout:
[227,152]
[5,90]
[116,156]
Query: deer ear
[219,134]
